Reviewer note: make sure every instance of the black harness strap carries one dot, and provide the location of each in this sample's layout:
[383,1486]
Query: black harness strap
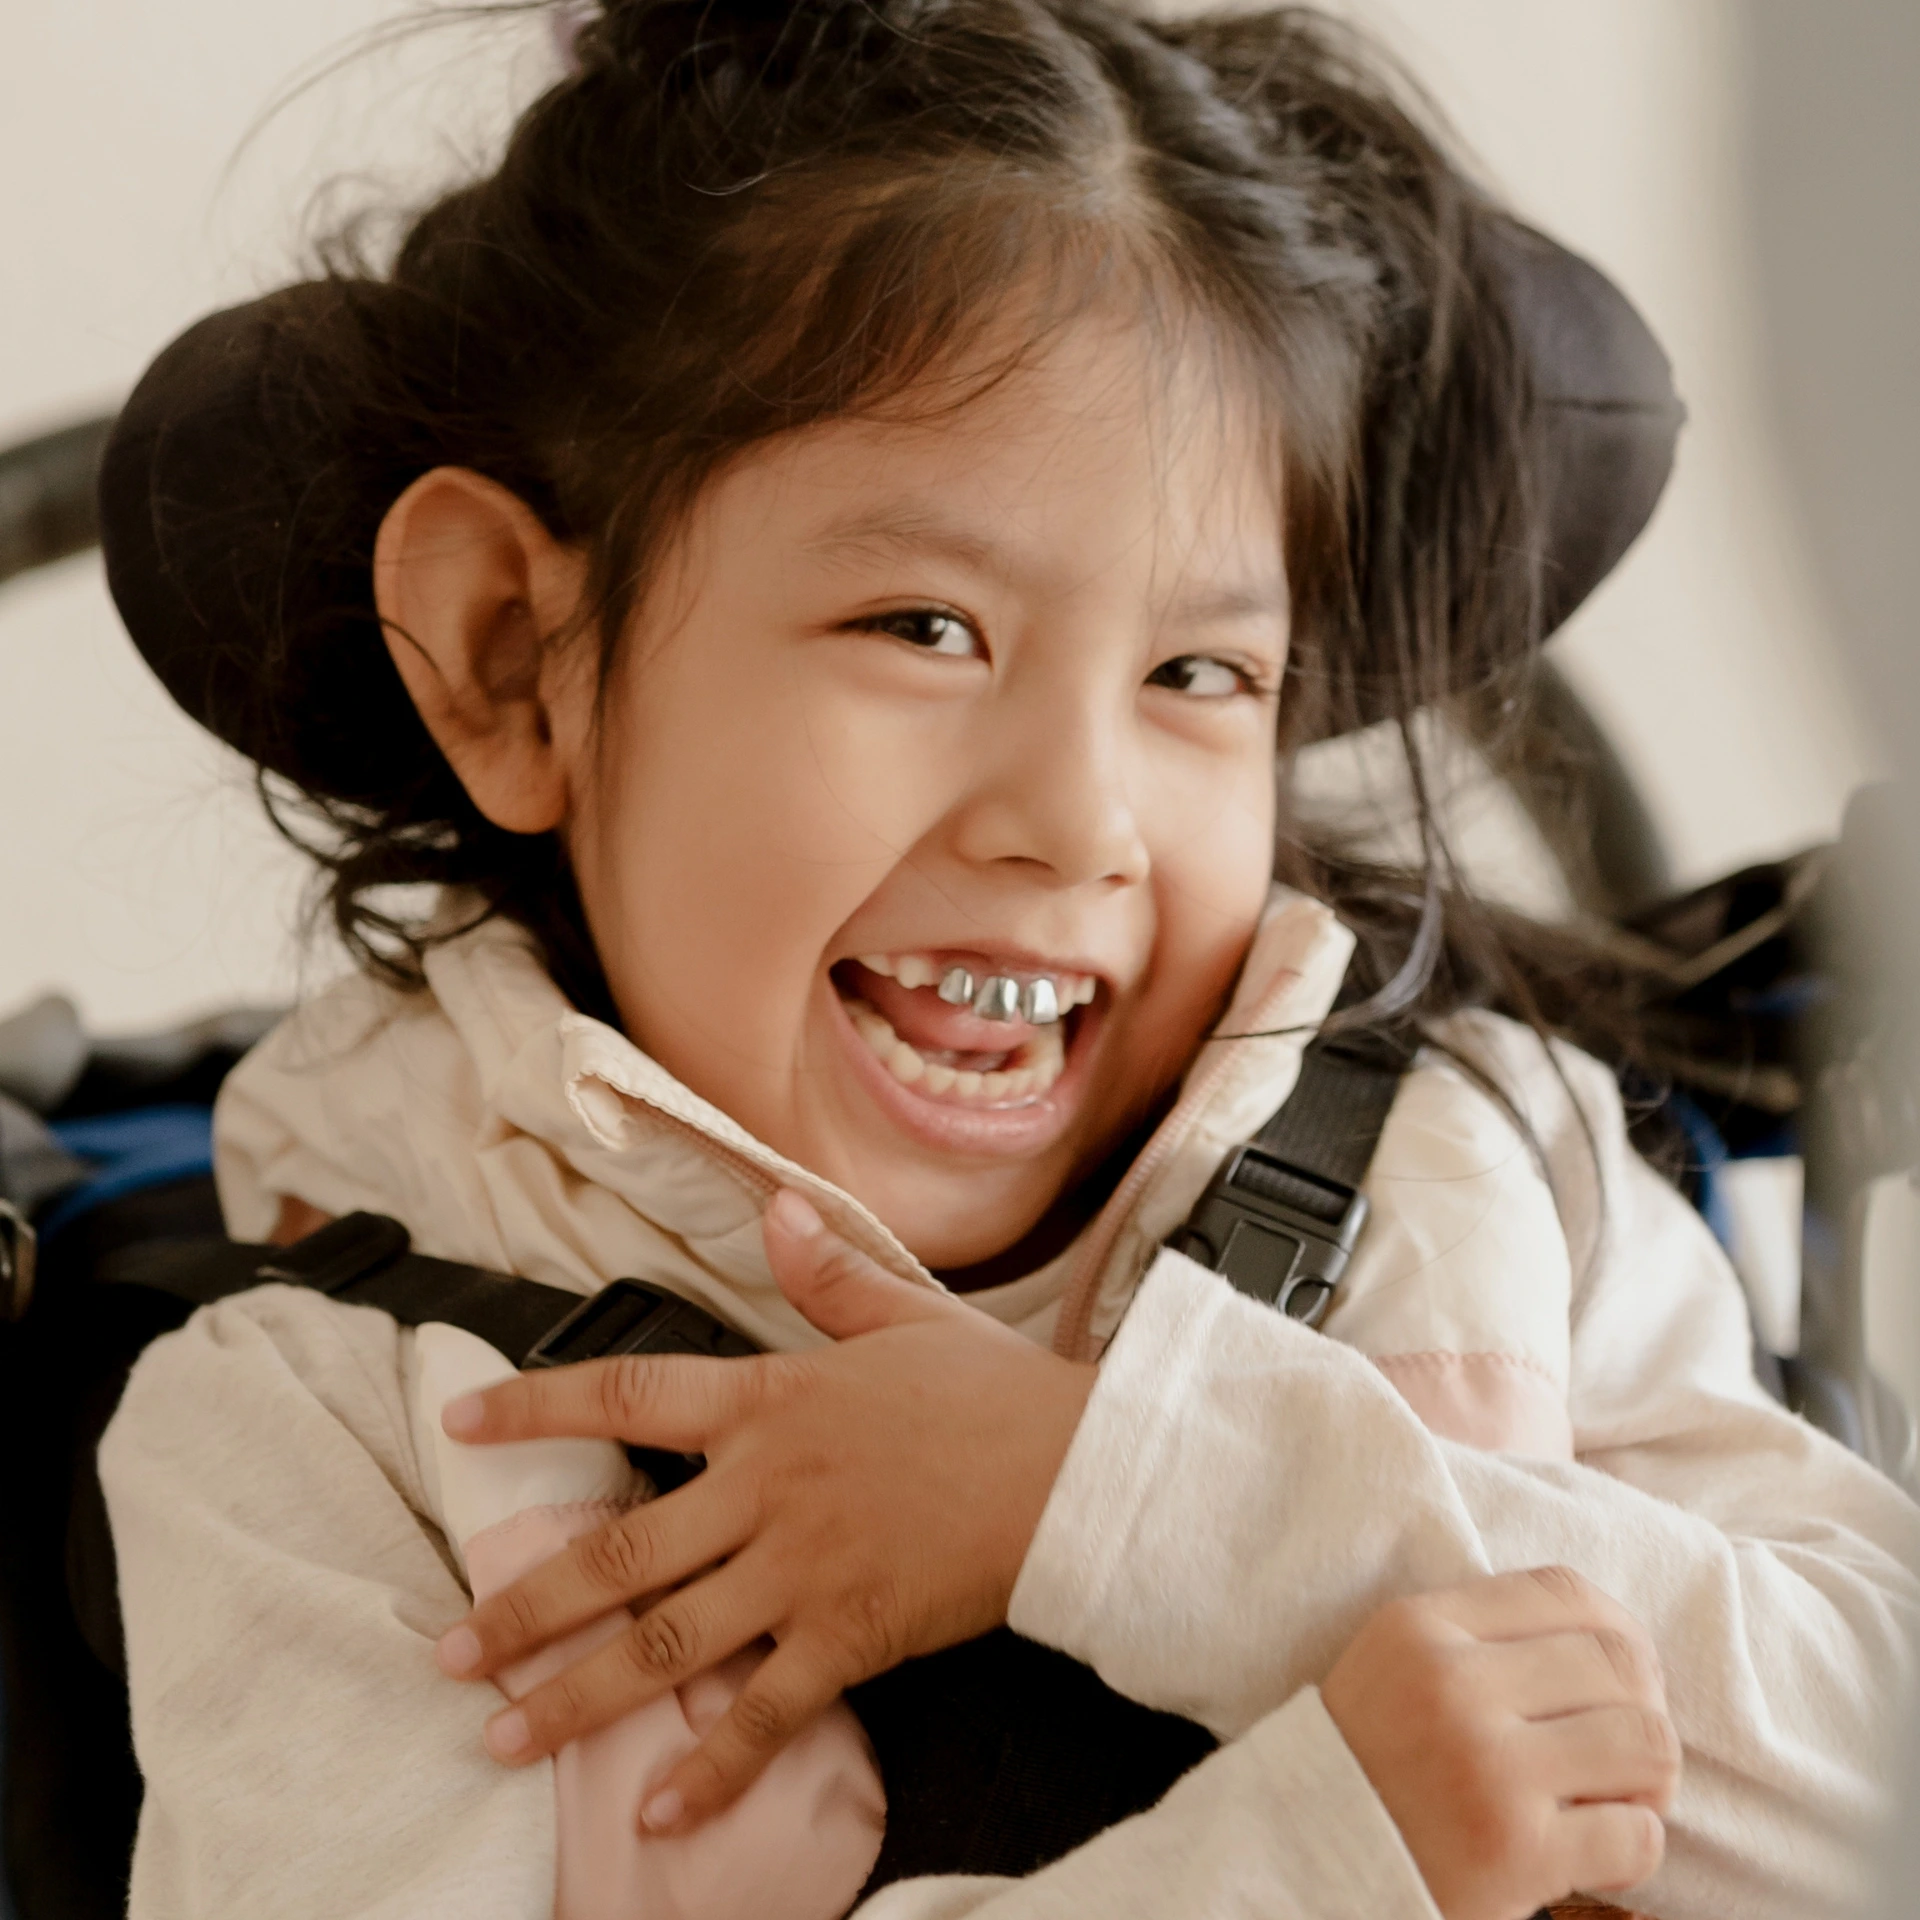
[362,1259]
[1330,1123]
[367,1260]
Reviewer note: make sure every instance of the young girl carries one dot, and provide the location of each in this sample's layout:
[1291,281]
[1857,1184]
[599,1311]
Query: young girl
[830,534]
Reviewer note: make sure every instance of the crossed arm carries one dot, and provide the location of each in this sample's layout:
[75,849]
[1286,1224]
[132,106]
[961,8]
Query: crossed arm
[876,1500]
[1211,1549]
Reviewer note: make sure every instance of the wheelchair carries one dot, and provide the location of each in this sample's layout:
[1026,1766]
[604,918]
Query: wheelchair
[1779,1037]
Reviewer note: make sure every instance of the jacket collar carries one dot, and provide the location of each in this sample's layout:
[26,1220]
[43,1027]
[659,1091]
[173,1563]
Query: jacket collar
[506,1128]
[624,1123]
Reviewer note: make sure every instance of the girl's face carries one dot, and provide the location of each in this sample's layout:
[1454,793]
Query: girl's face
[992,692]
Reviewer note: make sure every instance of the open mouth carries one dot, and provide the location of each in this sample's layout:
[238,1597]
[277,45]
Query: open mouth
[964,1030]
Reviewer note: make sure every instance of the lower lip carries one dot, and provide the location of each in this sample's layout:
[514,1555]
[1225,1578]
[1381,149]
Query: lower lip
[986,1131]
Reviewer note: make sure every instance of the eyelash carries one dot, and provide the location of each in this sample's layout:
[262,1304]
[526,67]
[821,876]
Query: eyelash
[890,624]
[1249,681]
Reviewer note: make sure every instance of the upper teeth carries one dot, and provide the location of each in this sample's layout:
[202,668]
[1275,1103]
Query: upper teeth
[1039,1000]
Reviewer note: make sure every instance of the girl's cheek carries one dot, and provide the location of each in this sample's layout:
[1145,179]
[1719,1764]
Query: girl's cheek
[1211,837]
[876,770]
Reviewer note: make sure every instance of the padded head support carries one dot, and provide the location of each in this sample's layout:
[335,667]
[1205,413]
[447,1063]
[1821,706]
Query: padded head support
[1606,415]
[224,546]
[222,541]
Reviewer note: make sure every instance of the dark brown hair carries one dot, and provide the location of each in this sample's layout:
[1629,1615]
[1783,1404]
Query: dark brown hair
[736,217]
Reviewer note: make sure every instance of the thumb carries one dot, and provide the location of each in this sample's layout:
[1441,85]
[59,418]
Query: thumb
[836,1286]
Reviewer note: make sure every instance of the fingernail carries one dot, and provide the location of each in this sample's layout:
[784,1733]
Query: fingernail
[458,1651]
[666,1806]
[507,1737]
[796,1215]
[461,1417]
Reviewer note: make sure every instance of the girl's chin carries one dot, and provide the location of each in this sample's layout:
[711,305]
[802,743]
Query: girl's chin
[953,1125]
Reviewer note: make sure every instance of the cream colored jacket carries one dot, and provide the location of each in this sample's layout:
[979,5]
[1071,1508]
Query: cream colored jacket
[1517,1373]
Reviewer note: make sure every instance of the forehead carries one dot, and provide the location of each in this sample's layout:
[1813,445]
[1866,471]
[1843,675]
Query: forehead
[1102,452]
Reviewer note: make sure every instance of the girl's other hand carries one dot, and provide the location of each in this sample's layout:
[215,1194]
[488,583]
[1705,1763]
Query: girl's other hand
[1516,1729]
[862,1504]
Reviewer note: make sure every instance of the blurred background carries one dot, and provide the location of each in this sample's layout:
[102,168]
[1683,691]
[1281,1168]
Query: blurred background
[1747,170]
[147,190]
[1732,164]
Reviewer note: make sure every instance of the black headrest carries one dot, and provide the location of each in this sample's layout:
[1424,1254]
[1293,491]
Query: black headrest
[210,536]
[1607,418]
[224,545]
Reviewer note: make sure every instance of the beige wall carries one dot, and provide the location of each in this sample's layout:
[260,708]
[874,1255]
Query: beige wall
[1616,126]
[133,869]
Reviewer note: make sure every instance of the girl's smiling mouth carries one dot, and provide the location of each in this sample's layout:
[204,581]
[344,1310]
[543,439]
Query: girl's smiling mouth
[952,1077]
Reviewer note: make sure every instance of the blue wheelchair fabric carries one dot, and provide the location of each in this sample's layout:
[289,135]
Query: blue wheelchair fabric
[147,1147]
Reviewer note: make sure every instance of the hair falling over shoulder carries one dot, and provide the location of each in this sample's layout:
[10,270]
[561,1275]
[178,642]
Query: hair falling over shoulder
[732,218]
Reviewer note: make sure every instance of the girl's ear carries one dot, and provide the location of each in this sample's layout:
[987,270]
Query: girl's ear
[470,589]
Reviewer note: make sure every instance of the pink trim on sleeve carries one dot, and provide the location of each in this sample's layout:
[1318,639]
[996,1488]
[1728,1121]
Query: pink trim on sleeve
[1499,1402]
[798,1844]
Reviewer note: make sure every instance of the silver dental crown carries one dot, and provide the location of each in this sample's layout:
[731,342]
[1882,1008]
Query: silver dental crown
[1000,997]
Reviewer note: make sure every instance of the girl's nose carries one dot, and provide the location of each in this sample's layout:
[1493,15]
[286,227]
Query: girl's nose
[1053,789]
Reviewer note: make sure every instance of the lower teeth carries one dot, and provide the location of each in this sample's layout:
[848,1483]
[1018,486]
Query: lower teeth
[1043,1059]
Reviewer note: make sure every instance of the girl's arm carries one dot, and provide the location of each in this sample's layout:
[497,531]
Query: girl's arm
[302,1757]
[1240,1494]
[1478,1752]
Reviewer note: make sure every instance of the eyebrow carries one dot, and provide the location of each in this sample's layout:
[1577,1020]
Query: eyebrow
[901,528]
[908,529]
[1268,600]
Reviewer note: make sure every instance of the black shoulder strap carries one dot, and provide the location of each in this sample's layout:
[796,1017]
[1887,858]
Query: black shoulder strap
[1281,1217]
[367,1260]
[362,1258]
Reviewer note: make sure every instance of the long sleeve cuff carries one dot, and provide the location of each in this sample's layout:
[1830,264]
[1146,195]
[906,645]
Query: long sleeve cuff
[1240,1495]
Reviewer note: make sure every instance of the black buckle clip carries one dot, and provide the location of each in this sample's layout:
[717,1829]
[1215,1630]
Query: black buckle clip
[332,1258]
[1279,1232]
[625,1317]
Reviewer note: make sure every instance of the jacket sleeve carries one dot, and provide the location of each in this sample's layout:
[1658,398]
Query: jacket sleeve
[303,1756]
[1280,1821]
[1242,1493]
[298,1573]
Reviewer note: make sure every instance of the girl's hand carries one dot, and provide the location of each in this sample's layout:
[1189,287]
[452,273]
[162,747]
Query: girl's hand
[861,1504]
[1516,1729]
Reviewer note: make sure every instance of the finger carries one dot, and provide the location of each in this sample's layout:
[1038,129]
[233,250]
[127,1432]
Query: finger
[1608,1848]
[1558,1673]
[1604,1753]
[789,1689]
[641,1552]
[682,1635]
[836,1286]
[1535,1600]
[658,1400]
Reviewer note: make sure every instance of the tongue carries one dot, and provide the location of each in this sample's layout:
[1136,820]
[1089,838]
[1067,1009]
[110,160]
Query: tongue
[925,1021]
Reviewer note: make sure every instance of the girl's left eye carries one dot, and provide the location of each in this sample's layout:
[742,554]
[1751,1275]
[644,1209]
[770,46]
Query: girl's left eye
[1203,676]
[929,629]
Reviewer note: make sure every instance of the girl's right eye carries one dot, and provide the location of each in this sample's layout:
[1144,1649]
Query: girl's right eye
[930,629]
